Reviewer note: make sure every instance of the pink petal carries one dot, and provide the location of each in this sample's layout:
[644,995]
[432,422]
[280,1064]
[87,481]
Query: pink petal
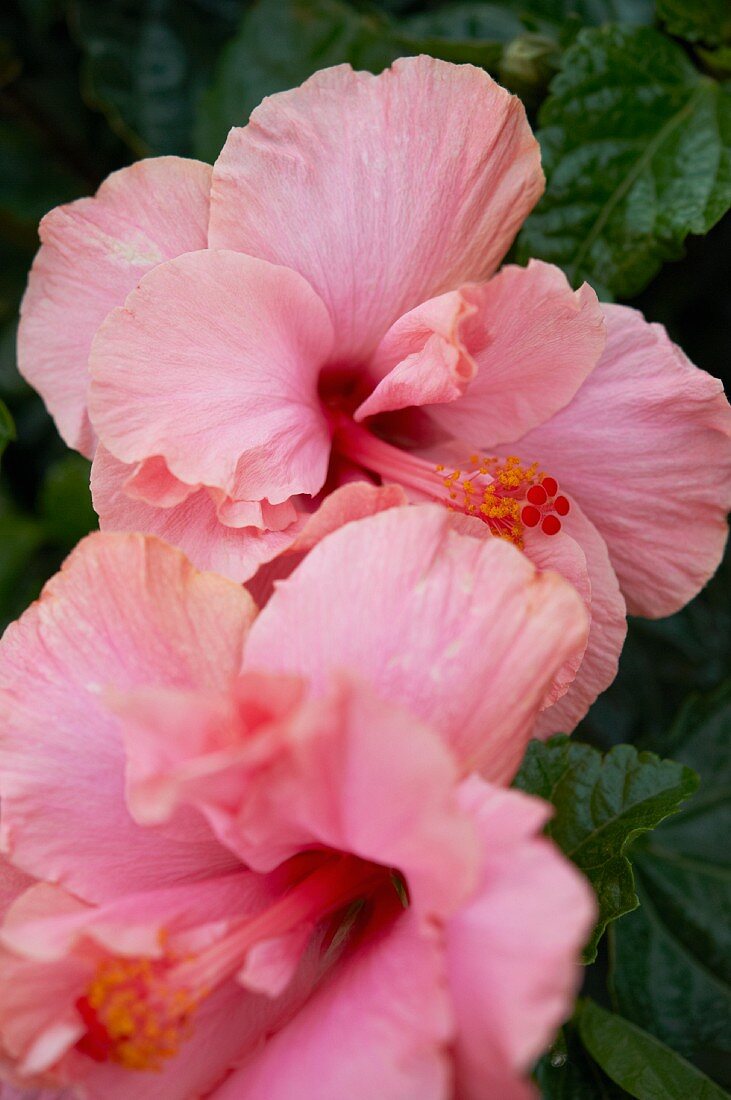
[213,364]
[424,359]
[378,1027]
[382,191]
[192,525]
[200,747]
[13,883]
[94,251]
[644,447]
[354,500]
[37,1006]
[348,772]
[199,912]
[151,482]
[513,952]
[607,632]
[124,611]
[38,1023]
[533,341]
[463,632]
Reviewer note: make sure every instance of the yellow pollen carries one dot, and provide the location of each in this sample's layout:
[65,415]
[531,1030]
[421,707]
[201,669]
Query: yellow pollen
[500,502]
[134,1016]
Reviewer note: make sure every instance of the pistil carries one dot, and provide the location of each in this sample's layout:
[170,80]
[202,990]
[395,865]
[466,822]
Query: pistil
[138,1011]
[505,494]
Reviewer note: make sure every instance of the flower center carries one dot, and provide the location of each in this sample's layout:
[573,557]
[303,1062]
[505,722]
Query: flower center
[505,494]
[138,1011]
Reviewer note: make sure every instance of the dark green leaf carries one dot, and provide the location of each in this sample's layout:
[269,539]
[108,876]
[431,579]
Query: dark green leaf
[638,1062]
[279,44]
[602,805]
[672,959]
[568,1073]
[637,156]
[697,20]
[65,503]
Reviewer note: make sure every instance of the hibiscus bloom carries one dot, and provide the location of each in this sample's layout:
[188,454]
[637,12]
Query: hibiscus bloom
[227,876]
[322,308]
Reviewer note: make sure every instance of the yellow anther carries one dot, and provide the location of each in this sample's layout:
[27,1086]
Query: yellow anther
[141,1017]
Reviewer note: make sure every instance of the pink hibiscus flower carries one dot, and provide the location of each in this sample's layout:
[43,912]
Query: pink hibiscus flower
[240,861]
[322,308]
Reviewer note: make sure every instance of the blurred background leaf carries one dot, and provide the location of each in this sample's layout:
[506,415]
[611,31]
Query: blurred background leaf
[146,63]
[279,44]
[7,427]
[706,21]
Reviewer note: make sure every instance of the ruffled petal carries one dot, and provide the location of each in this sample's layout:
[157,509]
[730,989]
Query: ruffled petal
[193,525]
[423,359]
[533,340]
[645,447]
[461,631]
[125,611]
[382,191]
[213,364]
[347,772]
[513,952]
[94,252]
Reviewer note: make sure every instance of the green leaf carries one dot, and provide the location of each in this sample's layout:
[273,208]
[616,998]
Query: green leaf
[7,427]
[147,62]
[638,1062]
[568,1073]
[602,805]
[637,156]
[279,44]
[671,961]
[65,503]
[697,20]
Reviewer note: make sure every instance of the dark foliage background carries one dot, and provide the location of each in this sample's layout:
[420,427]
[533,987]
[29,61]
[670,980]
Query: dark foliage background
[86,86]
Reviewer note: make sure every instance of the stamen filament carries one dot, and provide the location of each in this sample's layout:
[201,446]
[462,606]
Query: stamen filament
[504,494]
[331,887]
